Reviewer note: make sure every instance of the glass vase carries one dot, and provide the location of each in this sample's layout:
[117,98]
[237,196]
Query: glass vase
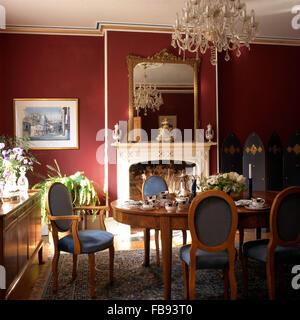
[10,187]
[23,181]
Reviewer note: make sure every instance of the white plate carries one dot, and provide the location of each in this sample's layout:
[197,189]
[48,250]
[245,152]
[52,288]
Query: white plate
[257,208]
[147,209]
[243,202]
[174,209]
[132,206]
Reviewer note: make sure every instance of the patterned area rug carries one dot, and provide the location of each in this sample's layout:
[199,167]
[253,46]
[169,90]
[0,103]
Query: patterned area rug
[135,282]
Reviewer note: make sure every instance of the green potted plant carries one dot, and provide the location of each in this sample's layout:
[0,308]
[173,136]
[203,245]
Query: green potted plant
[82,190]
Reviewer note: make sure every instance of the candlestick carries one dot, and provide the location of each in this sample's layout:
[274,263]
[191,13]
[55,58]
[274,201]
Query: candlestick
[250,188]
[194,187]
[250,171]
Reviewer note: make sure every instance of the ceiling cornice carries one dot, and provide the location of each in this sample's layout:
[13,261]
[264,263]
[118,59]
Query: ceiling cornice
[101,27]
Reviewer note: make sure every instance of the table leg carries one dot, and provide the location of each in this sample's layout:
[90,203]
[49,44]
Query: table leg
[258,233]
[241,232]
[146,247]
[166,244]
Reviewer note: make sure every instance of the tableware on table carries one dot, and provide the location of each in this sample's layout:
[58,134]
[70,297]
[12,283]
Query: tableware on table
[133,204]
[151,197]
[183,203]
[171,206]
[242,202]
[148,206]
[257,202]
[250,207]
[163,195]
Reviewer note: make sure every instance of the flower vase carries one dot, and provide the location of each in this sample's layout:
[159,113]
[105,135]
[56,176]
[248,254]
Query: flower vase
[10,186]
[23,181]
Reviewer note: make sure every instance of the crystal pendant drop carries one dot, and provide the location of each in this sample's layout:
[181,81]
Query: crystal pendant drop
[227,57]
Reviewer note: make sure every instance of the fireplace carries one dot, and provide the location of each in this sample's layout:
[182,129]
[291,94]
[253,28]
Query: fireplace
[168,171]
[155,158]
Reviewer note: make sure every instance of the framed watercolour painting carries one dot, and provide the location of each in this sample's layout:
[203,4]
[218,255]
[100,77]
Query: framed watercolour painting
[48,123]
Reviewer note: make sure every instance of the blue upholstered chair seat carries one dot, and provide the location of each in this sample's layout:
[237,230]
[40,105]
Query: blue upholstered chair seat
[90,241]
[257,249]
[205,259]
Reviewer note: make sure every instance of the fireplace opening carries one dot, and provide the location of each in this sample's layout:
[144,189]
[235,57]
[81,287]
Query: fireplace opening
[171,171]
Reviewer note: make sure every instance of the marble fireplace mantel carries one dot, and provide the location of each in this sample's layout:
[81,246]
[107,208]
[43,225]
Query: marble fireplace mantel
[132,153]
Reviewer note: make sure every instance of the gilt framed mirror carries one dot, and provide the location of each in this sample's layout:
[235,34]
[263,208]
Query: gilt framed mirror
[176,83]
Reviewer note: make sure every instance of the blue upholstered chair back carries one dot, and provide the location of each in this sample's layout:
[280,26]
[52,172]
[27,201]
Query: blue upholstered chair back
[154,185]
[213,221]
[60,204]
[288,217]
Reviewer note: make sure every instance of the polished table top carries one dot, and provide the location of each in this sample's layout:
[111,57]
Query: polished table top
[267,195]
[8,206]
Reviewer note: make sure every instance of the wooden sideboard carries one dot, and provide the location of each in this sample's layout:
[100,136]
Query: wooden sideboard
[20,239]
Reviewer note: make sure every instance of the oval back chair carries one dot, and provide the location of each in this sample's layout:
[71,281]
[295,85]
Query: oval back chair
[60,213]
[212,221]
[152,185]
[283,245]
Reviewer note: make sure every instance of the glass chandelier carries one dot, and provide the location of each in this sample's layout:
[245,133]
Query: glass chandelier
[146,96]
[215,25]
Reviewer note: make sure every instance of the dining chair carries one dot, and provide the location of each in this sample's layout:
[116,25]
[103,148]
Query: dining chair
[61,215]
[154,185]
[212,220]
[283,245]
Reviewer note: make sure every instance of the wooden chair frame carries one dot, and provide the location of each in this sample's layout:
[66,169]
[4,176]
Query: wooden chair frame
[229,275]
[273,243]
[77,249]
[147,231]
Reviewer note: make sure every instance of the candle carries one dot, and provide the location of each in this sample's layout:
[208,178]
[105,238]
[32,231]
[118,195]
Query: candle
[194,170]
[250,171]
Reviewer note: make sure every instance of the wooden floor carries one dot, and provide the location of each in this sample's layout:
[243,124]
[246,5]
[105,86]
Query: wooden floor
[125,238]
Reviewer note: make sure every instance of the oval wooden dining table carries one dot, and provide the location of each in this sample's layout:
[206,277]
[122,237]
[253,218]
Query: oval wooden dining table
[168,221]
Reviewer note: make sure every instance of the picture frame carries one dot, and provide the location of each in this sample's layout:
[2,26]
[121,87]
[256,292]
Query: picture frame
[49,123]
[172,119]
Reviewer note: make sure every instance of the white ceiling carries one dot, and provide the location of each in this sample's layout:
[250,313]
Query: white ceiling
[274,16]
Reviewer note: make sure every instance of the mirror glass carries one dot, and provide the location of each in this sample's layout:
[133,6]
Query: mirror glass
[172,86]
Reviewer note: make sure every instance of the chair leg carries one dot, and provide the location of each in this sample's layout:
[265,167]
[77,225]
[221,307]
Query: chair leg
[232,281]
[157,247]
[192,282]
[270,278]
[92,273]
[244,261]
[185,268]
[226,280]
[111,263]
[184,237]
[146,247]
[74,273]
[54,270]
[279,278]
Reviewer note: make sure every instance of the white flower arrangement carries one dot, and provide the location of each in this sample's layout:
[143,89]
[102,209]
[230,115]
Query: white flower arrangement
[227,182]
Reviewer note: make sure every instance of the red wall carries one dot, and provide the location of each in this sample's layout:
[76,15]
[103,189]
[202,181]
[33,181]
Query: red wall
[122,44]
[41,66]
[260,92]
